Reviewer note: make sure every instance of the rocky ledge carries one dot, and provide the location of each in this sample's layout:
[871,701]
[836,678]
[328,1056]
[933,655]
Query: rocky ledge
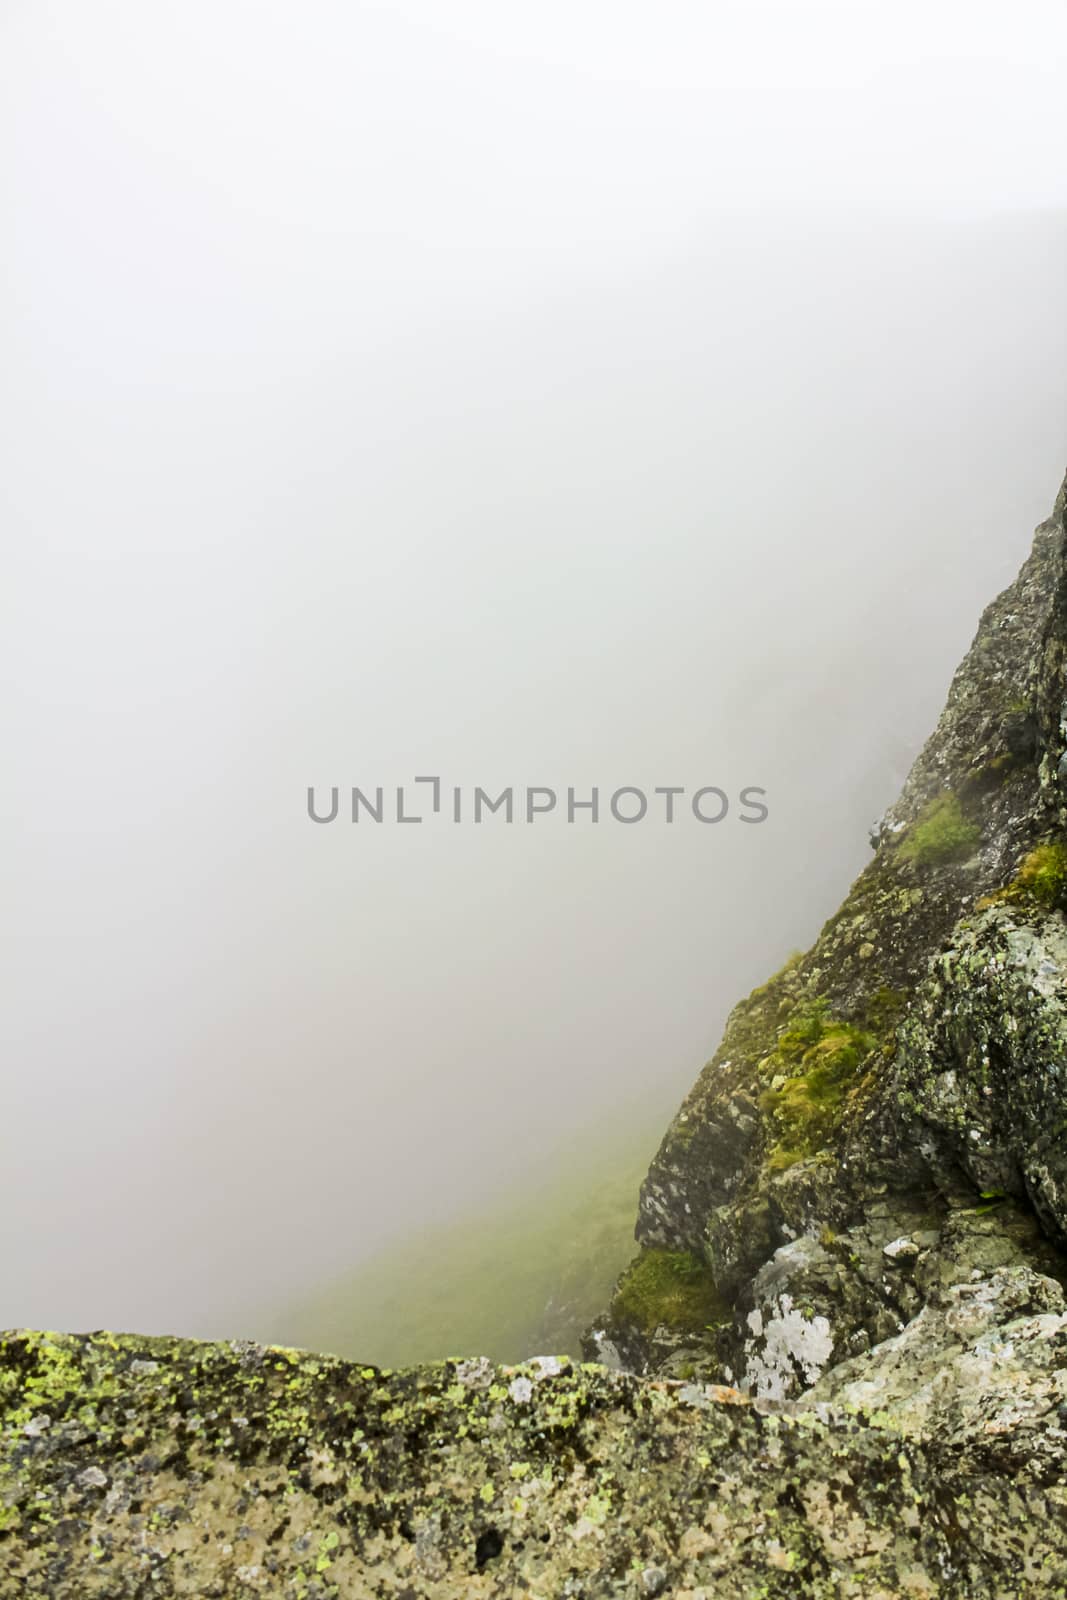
[146,1467]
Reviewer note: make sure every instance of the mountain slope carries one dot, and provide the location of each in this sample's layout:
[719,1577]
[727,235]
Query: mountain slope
[520,1277]
[910,1067]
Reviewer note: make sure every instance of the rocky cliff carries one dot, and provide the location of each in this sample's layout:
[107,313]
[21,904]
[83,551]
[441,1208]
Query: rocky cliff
[886,1119]
[838,1364]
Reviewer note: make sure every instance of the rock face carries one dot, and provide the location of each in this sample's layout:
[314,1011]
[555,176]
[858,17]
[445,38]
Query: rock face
[838,1365]
[908,1072]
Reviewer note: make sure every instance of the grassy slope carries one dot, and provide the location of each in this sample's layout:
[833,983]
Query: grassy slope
[521,1278]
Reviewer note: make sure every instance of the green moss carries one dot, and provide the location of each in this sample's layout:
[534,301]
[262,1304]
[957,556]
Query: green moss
[669,1288]
[783,1156]
[805,1029]
[820,1056]
[940,834]
[1043,874]
[992,775]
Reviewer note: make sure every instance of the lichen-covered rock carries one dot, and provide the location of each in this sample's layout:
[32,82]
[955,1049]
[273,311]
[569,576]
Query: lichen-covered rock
[912,1062]
[980,1085]
[154,1467]
[981,1370]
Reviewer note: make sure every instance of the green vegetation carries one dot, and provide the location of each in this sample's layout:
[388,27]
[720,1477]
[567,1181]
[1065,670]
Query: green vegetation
[1043,874]
[524,1275]
[941,833]
[669,1288]
[818,1056]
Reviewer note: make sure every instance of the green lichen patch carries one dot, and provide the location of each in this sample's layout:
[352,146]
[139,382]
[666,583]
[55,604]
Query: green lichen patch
[669,1289]
[462,1480]
[940,834]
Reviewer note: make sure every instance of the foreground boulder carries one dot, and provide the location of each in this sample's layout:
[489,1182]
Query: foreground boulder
[137,1467]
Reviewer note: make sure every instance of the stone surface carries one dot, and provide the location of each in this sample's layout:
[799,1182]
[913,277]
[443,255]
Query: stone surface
[225,1472]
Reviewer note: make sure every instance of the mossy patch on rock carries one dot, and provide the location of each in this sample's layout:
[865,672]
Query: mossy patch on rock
[941,833]
[1043,874]
[818,1056]
[671,1289]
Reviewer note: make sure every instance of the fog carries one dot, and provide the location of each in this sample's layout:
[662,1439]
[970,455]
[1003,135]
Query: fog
[546,395]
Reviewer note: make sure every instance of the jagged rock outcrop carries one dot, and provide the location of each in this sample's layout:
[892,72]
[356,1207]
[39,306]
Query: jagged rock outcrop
[910,1069]
[838,1365]
[911,1063]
